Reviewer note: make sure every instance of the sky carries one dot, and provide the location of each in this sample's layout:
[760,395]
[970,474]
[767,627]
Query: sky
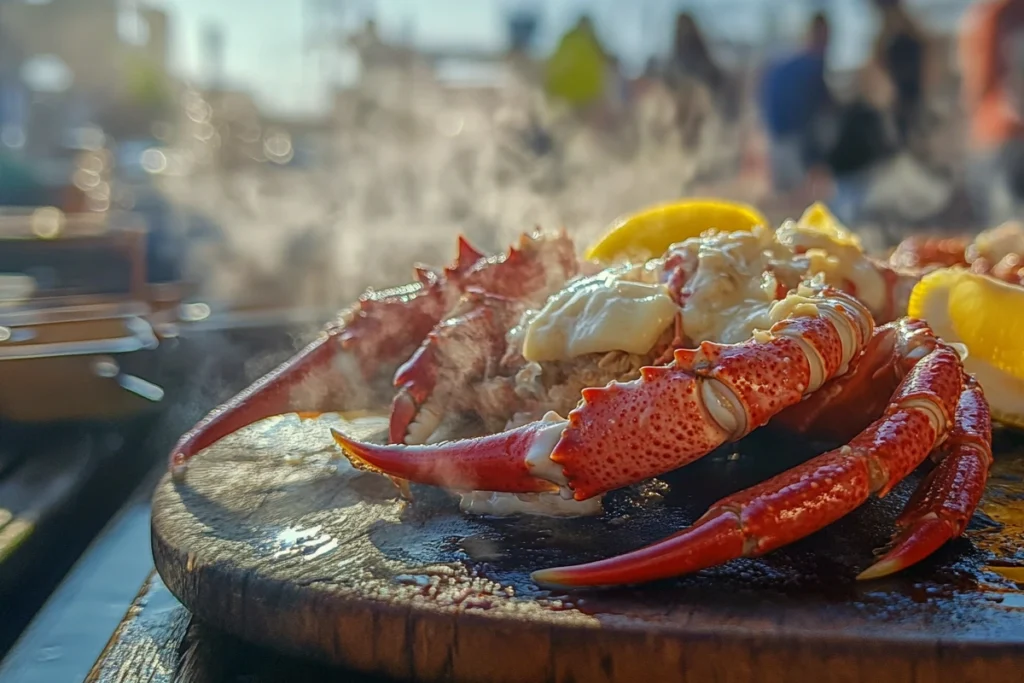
[264,47]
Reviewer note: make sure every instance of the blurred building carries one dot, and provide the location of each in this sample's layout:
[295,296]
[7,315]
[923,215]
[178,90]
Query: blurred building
[113,64]
[13,94]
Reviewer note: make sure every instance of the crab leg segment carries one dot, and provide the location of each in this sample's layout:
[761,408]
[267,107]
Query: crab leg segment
[847,404]
[627,432]
[801,500]
[944,502]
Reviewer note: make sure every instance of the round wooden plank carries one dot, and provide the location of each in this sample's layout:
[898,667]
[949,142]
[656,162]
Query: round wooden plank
[270,537]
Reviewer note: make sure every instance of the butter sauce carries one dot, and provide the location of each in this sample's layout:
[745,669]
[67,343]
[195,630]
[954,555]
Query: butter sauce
[838,254]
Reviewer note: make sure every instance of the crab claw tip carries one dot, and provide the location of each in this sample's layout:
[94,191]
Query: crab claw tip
[403,412]
[883,567]
[917,542]
[356,452]
[552,578]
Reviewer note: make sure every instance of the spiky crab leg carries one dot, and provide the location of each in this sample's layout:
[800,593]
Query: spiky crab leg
[627,432]
[470,341]
[373,336]
[945,501]
[378,333]
[804,499]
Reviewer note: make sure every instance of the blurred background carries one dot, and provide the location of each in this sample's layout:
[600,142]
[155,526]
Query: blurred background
[260,143]
[189,189]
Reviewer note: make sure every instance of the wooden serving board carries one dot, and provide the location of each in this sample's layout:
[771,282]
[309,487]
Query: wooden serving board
[273,539]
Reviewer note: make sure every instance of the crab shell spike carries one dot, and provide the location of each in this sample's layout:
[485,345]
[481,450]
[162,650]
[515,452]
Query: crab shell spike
[425,275]
[468,254]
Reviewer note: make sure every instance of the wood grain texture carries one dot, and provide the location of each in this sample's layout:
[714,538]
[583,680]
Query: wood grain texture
[271,539]
[159,642]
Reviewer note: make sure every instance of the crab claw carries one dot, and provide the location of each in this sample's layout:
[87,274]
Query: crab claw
[801,500]
[505,462]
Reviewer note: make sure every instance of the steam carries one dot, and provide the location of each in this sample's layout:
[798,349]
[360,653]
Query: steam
[402,174]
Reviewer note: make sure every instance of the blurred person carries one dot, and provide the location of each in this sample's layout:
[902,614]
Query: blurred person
[577,71]
[617,92]
[902,53]
[794,102]
[523,25]
[992,63]
[367,40]
[864,141]
[691,57]
[693,77]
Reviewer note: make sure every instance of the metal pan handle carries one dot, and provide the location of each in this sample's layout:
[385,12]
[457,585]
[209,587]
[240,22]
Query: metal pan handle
[108,367]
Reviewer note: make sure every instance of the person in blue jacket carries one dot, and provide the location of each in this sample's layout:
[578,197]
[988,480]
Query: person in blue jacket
[794,102]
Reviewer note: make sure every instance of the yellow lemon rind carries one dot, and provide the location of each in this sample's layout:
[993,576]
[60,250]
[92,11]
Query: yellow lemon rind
[936,282]
[985,315]
[652,230]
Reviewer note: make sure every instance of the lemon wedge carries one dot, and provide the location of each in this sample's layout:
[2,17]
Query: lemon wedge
[650,232]
[817,218]
[989,316]
[981,313]
[929,300]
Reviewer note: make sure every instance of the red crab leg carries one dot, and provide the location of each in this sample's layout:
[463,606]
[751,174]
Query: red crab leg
[318,377]
[380,330]
[945,501]
[627,432]
[920,251]
[801,500]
